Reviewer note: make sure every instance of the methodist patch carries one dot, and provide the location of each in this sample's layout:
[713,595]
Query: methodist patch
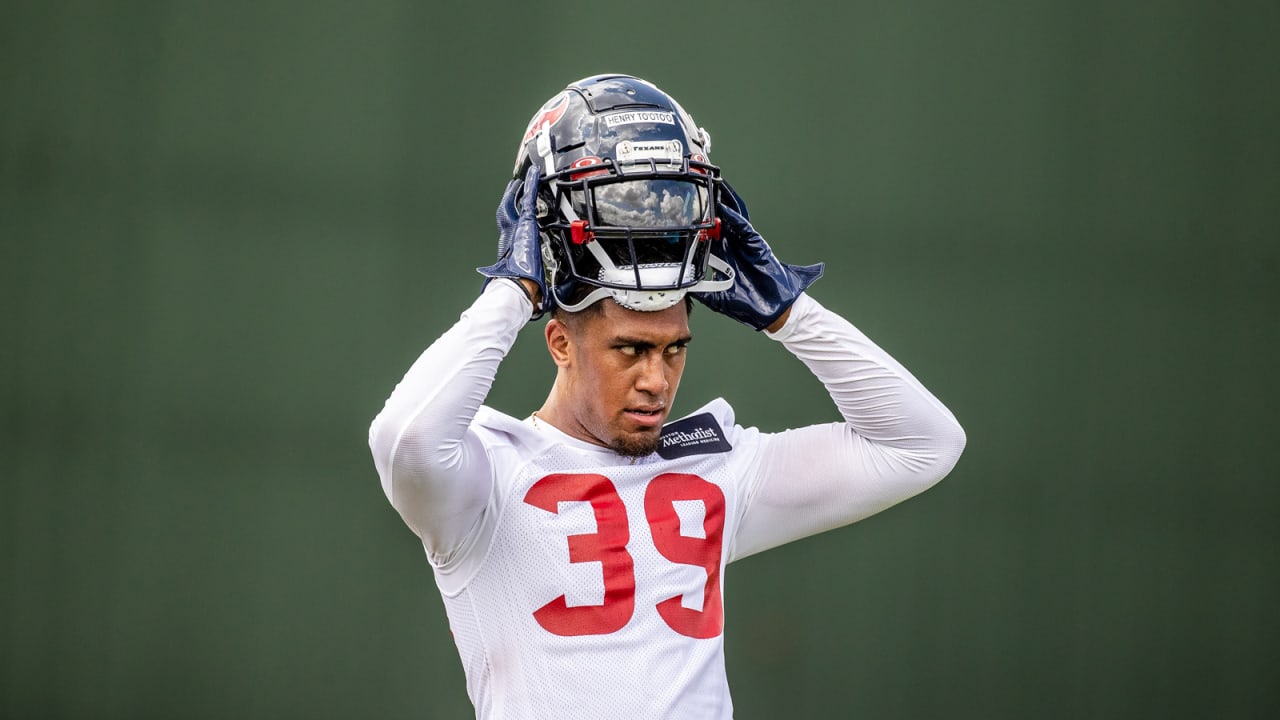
[694,435]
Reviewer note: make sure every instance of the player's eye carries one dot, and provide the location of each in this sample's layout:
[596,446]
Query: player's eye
[676,349]
[630,350]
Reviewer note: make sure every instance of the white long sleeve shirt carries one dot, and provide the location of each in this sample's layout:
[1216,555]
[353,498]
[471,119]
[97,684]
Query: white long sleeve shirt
[583,584]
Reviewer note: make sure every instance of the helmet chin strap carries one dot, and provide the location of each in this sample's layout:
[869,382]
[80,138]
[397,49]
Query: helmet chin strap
[653,300]
[640,300]
[721,267]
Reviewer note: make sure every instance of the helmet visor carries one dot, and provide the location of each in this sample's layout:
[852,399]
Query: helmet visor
[653,203]
[643,233]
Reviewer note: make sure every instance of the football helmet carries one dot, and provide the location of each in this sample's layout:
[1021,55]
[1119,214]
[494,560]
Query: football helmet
[627,205]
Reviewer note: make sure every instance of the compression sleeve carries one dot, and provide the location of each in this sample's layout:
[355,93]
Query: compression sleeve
[435,473]
[896,440]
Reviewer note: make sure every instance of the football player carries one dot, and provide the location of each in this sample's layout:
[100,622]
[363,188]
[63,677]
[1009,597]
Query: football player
[581,550]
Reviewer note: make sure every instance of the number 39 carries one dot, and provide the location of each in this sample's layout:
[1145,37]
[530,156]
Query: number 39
[608,546]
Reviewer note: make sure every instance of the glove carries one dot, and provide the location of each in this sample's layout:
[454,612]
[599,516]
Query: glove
[519,243]
[765,287]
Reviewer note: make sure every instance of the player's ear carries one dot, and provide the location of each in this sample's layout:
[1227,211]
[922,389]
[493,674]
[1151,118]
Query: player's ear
[559,340]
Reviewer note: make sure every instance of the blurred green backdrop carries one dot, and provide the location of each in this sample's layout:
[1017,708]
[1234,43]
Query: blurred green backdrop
[228,228]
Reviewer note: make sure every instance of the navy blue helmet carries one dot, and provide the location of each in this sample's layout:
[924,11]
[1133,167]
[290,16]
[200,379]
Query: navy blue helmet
[627,204]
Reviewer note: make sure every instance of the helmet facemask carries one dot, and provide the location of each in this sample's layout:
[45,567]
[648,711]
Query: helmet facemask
[640,234]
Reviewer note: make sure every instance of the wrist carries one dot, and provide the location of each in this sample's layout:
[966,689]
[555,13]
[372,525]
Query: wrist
[776,325]
[532,290]
[791,318]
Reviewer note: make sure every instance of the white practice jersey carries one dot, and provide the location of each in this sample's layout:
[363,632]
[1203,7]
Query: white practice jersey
[583,584]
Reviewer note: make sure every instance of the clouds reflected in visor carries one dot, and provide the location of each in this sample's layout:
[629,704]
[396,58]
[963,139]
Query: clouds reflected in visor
[654,203]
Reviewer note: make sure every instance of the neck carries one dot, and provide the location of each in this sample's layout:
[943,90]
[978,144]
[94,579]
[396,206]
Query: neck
[550,412]
[555,411]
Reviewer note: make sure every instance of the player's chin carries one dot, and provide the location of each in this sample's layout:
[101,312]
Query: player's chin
[638,442]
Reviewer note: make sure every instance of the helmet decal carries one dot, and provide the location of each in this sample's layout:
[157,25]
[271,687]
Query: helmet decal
[669,152]
[548,116]
[586,162]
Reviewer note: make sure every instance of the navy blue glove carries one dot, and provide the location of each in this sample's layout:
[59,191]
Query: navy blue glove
[765,287]
[519,245]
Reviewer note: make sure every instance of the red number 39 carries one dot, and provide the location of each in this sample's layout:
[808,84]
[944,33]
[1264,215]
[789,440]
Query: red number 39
[608,546]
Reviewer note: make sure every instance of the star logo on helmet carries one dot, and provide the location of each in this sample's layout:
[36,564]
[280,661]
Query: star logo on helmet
[549,115]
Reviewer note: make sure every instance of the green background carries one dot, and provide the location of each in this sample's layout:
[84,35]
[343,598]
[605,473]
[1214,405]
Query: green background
[228,228]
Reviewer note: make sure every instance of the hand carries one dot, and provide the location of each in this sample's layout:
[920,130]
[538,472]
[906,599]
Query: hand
[765,288]
[519,244]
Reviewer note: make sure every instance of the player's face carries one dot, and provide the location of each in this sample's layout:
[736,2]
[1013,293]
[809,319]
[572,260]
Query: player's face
[622,373]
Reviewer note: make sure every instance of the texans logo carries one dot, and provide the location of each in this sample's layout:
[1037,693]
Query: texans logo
[549,115]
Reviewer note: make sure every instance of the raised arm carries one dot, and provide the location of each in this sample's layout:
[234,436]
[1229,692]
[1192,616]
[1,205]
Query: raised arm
[896,438]
[433,467]
[434,471]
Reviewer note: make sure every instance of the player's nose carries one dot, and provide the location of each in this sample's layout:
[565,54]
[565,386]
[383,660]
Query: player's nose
[651,376]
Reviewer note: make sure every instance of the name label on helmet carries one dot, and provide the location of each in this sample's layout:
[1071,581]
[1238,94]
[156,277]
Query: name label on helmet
[639,116]
[697,435]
